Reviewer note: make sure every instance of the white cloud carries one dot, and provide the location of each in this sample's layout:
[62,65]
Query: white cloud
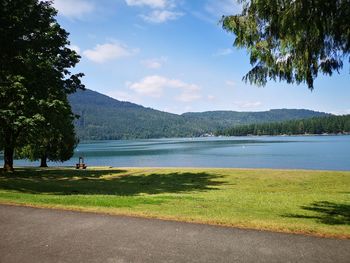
[211,97]
[154,63]
[178,109]
[248,104]
[150,86]
[123,96]
[188,96]
[163,10]
[109,51]
[155,85]
[149,3]
[341,112]
[223,52]
[161,16]
[73,8]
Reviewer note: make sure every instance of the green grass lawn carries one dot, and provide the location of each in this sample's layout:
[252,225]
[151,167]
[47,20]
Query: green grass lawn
[311,202]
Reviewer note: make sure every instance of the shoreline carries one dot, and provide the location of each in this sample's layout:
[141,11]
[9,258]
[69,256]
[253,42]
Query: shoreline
[218,136]
[106,167]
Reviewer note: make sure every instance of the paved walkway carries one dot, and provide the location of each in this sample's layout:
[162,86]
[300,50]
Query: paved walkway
[42,235]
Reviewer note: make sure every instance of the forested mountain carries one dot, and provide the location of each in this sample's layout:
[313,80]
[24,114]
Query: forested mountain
[228,118]
[315,125]
[102,117]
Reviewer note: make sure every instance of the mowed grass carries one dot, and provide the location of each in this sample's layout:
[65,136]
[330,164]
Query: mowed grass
[298,201]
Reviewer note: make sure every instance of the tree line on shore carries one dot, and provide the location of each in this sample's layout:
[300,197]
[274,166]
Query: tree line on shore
[36,120]
[316,125]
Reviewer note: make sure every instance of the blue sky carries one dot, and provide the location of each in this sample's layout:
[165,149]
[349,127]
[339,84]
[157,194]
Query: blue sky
[172,55]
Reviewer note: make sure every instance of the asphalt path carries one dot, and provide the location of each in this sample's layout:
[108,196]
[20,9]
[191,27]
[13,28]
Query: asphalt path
[44,235]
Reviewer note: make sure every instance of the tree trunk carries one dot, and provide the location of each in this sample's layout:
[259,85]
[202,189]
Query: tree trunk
[43,161]
[8,159]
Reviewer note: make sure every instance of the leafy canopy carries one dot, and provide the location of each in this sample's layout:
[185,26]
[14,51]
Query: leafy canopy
[54,138]
[35,63]
[292,40]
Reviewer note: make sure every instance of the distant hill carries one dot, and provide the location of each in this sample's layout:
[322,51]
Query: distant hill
[222,119]
[104,118]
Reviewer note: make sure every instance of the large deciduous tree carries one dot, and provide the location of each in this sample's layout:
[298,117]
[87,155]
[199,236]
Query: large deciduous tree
[53,139]
[292,40]
[35,59]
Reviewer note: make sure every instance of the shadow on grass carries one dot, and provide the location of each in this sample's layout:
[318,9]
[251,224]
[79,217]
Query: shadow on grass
[93,182]
[327,213]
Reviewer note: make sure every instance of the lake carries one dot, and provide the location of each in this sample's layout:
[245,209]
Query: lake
[295,152]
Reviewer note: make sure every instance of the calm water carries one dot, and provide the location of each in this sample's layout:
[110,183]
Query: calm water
[301,152]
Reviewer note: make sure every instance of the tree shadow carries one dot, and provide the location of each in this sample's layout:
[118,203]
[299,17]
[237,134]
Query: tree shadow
[327,213]
[106,182]
[57,173]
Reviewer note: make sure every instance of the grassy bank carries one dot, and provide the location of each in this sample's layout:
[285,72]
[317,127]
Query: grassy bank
[311,202]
